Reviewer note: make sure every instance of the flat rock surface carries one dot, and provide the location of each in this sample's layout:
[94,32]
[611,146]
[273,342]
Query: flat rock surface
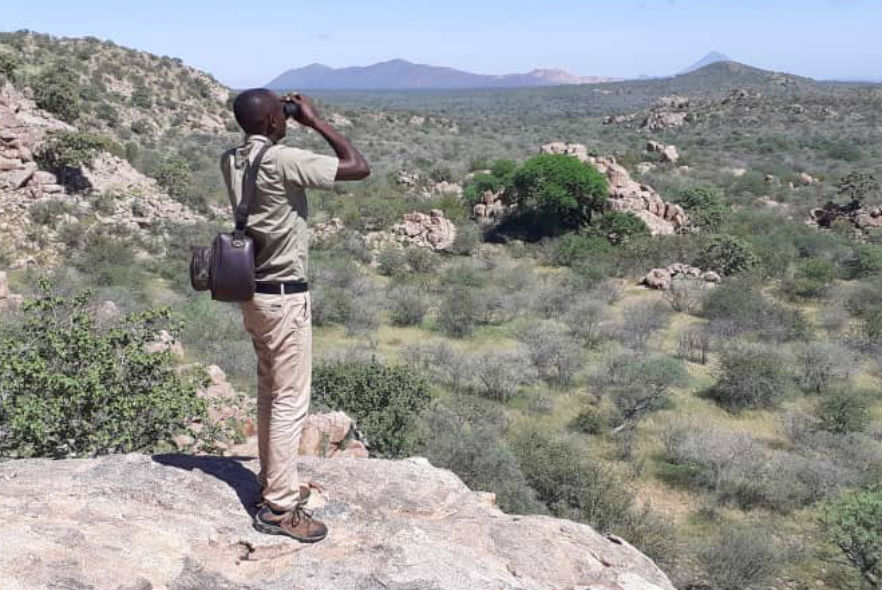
[184,522]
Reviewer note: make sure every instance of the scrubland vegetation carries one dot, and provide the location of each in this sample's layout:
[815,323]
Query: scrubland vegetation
[734,434]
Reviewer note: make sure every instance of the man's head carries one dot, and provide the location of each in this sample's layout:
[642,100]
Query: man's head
[259,112]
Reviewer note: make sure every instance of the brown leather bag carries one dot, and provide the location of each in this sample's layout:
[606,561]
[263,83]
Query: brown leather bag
[227,266]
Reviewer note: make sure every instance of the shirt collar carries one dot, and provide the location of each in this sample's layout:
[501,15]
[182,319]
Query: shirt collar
[257,138]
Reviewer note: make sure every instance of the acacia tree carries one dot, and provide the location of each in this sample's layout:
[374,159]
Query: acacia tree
[555,193]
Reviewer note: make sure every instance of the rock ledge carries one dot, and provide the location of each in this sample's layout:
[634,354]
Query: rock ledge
[181,522]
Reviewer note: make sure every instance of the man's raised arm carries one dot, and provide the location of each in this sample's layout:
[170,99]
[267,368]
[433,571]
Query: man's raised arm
[352,164]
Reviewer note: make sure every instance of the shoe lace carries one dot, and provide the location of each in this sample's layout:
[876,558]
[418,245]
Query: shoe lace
[300,513]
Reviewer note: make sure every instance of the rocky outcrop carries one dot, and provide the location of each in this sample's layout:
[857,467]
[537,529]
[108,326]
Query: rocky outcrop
[182,522]
[418,185]
[135,201]
[667,153]
[491,209]
[423,230]
[663,278]
[326,230]
[855,212]
[576,150]
[431,230]
[626,194]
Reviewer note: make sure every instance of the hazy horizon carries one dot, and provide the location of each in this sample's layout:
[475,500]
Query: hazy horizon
[248,45]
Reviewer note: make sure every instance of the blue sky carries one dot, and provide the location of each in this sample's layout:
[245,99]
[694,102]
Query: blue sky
[246,43]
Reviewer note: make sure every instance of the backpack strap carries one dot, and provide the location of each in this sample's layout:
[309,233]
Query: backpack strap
[249,187]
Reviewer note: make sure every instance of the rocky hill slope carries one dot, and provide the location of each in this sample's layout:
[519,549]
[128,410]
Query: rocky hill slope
[128,94]
[182,522]
[36,211]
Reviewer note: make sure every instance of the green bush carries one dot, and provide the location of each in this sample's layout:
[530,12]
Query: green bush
[737,307]
[70,388]
[408,305]
[8,65]
[391,261]
[475,188]
[741,557]
[619,227]
[590,420]
[421,259]
[468,237]
[574,248]
[465,434]
[57,90]
[811,278]
[751,377]
[859,186]
[843,412]
[503,169]
[555,193]
[141,98]
[704,207]
[726,255]
[383,400]
[865,261]
[458,313]
[174,175]
[65,152]
[853,522]
[569,483]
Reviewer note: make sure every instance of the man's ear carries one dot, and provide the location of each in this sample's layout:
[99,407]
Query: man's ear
[276,126]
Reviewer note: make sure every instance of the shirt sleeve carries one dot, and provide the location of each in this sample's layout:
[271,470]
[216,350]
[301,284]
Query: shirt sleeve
[307,169]
[227,174]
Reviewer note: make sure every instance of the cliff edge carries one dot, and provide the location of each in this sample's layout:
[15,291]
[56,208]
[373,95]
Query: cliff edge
[183,522]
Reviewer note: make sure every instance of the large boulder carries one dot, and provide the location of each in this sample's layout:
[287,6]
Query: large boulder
[625,193]
[182,522]
[426,230]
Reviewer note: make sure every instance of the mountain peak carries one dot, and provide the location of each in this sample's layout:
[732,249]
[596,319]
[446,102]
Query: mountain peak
[400,74]
[711,57]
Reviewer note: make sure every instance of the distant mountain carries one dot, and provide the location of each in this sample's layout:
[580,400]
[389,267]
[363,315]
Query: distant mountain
[712,57]
[399,74]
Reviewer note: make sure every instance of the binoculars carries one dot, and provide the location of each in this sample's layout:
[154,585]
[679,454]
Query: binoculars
[291,109]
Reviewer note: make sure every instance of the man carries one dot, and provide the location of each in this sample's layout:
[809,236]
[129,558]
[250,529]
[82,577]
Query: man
[278,317]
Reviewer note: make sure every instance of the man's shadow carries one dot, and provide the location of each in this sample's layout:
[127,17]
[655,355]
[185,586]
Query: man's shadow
[227,469]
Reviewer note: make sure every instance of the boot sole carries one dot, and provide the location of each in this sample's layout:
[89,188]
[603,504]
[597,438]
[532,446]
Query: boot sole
[269,529]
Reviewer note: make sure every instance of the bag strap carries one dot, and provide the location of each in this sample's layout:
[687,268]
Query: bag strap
[249,187]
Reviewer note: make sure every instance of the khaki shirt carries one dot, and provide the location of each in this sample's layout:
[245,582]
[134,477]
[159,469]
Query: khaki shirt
[277,222]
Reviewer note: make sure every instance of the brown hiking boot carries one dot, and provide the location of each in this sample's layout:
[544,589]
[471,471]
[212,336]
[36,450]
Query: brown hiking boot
[297,524]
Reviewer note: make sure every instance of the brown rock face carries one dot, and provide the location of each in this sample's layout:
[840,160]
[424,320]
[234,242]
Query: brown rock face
[626,194]
[427,231]
[178,521]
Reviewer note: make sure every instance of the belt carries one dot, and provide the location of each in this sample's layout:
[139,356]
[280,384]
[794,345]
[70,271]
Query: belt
[281,288]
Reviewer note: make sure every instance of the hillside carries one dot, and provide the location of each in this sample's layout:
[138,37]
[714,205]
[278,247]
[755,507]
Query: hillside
[695,365]
[399,74]
[127,94]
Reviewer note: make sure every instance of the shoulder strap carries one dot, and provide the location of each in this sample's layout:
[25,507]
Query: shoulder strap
[249,187]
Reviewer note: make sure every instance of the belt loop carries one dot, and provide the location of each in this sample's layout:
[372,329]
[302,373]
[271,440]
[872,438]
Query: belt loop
[283,288]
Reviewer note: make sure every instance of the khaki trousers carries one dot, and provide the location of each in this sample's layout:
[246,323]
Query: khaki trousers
[281,330]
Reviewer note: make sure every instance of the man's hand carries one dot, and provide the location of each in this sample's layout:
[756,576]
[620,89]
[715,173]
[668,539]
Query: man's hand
[308,114]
